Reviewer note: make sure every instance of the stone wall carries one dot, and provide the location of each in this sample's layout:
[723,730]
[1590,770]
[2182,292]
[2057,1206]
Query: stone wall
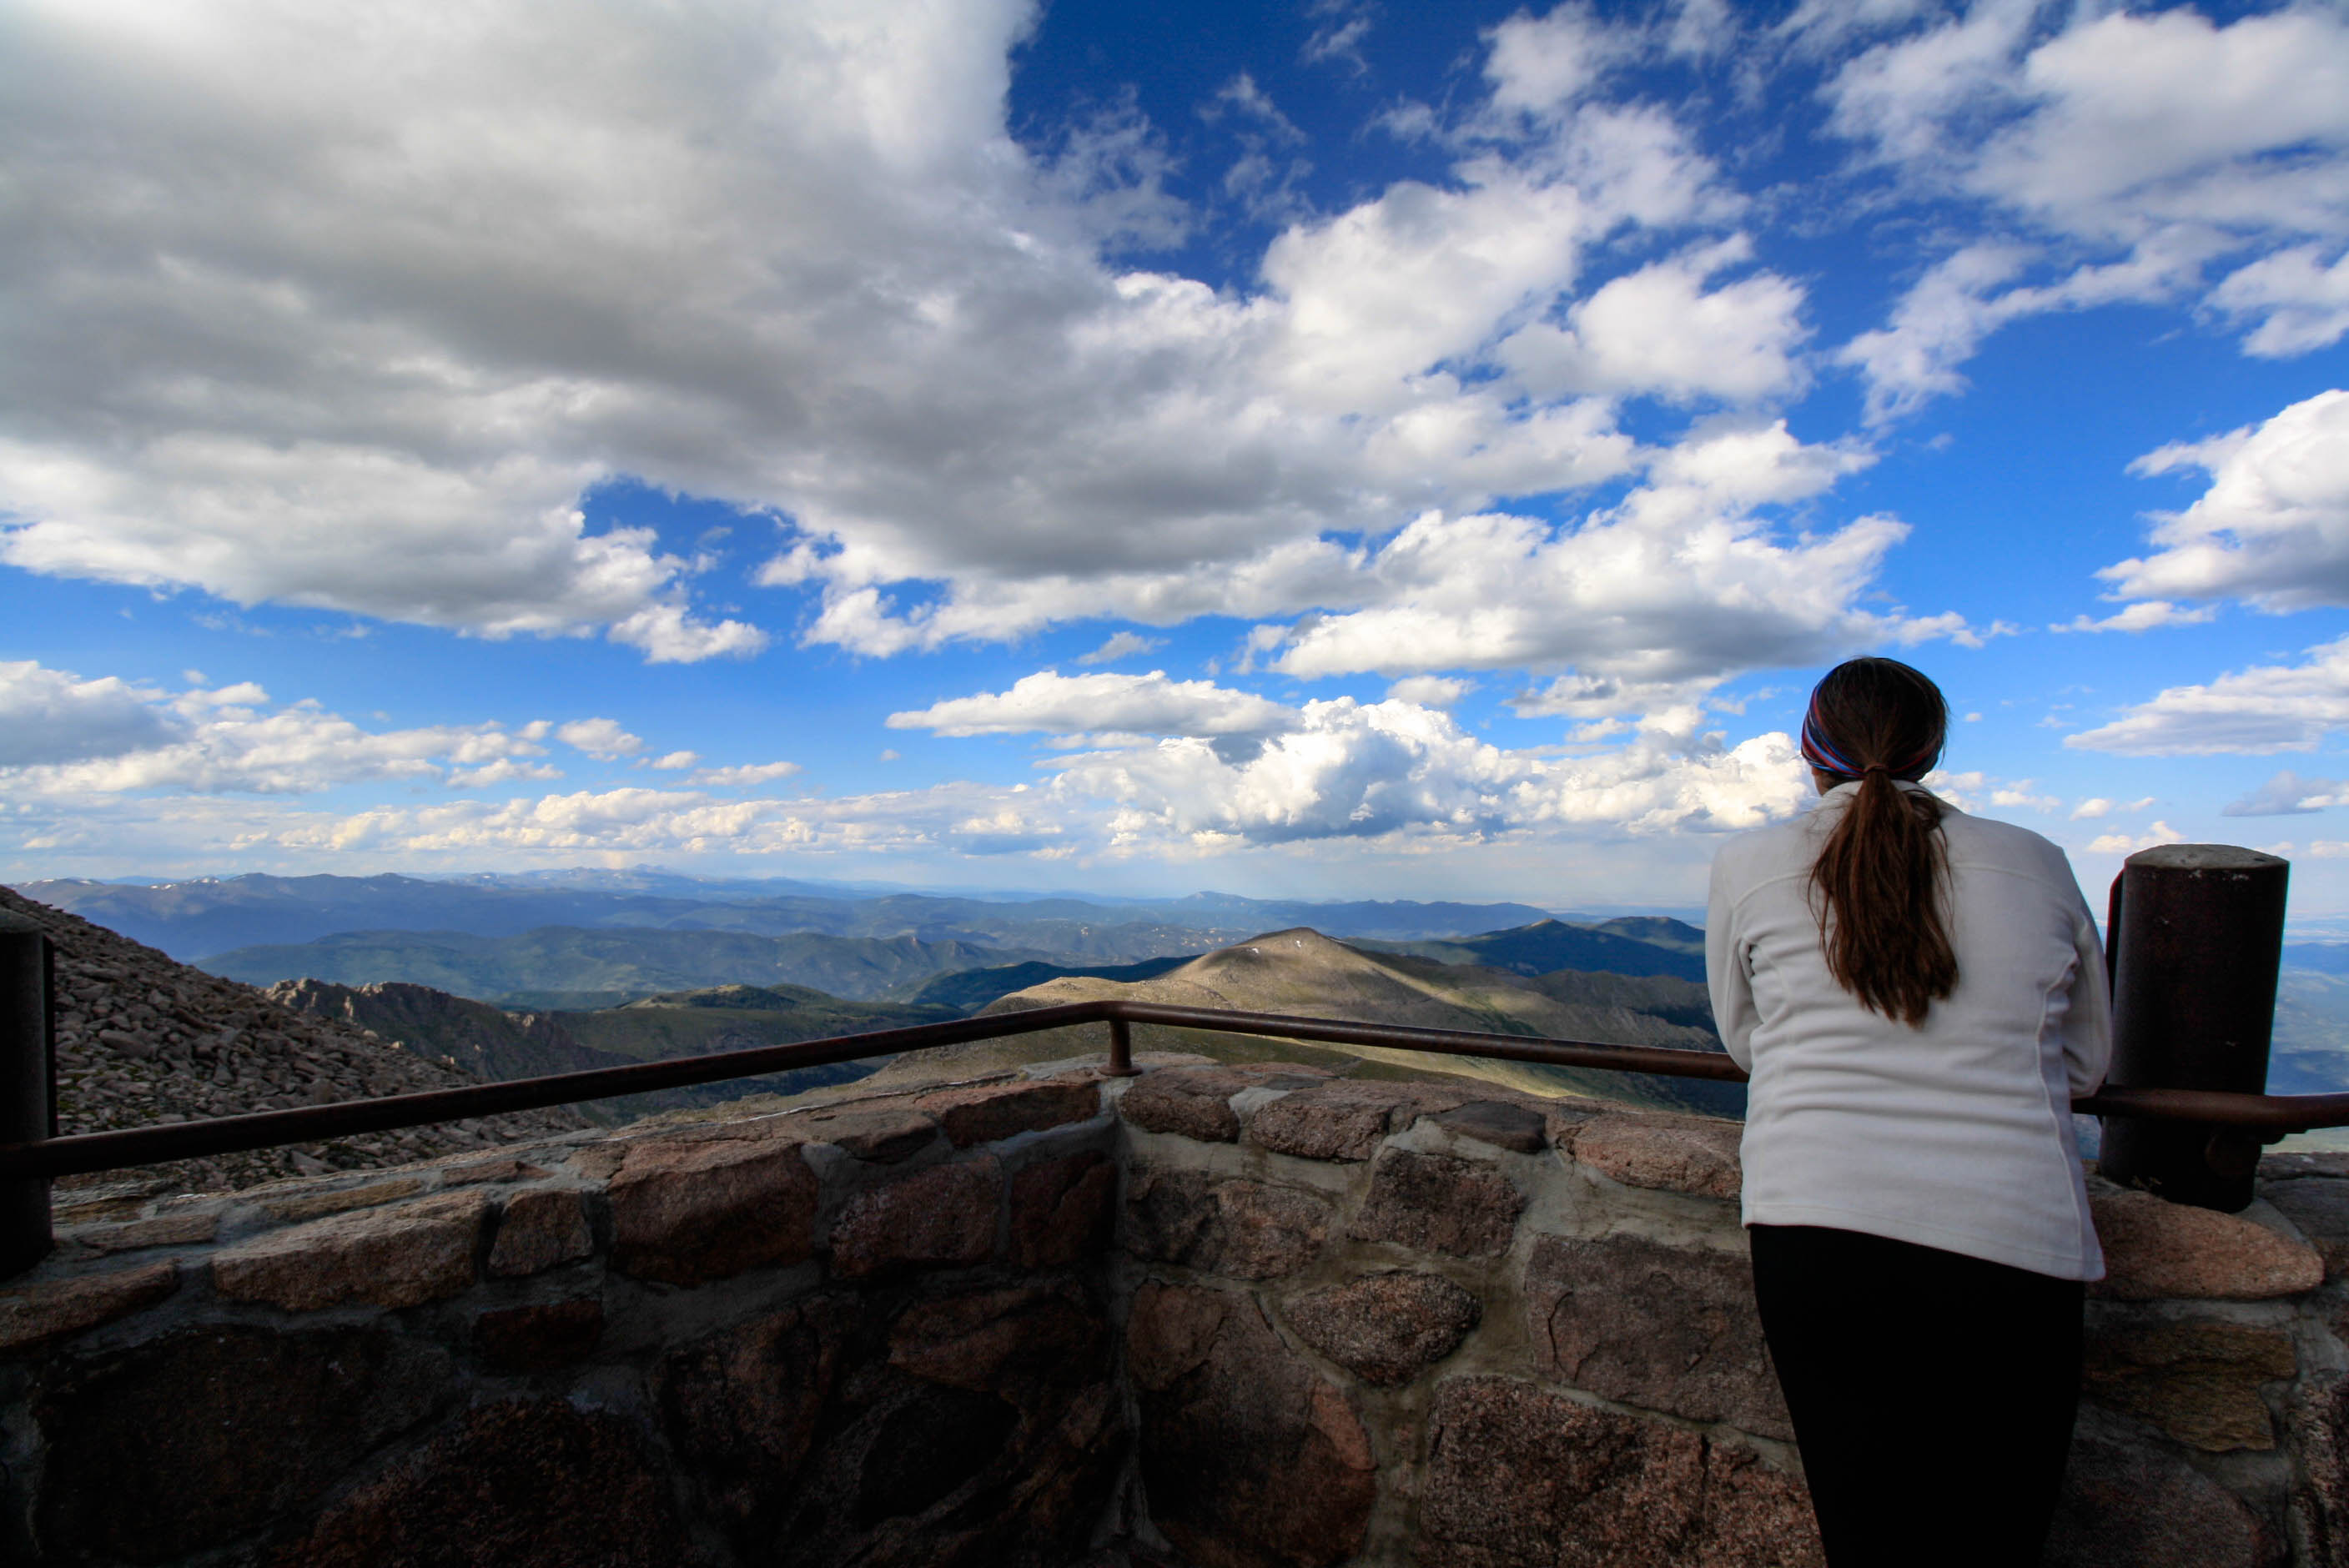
[1219,1316]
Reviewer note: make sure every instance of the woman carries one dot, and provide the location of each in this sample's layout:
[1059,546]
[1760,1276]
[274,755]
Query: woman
[1918,995]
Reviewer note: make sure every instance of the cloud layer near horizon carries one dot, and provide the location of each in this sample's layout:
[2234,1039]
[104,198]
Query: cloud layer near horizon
[1328,769]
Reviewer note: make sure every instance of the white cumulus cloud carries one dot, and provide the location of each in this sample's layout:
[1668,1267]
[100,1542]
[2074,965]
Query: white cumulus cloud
[2122,155]
[2125,844]
[1142,704]
[2302,304]
[1352,770]
[2262,709]
[1391,774]
[743,775]
[2142,616]
[2288,794]
[605,739]
[2273,526]
[1119,646]
[2097,807]
[1429,691]
[54,715]
[2021,795]
[76,740]
[1660,331]
[1542,65]
[1680,583]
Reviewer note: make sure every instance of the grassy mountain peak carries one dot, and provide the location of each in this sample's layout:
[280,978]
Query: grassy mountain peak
[1301,971]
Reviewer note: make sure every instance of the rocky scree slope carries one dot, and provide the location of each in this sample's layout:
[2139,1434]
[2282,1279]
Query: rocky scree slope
[484,1040]
[500,1044]
[141,1039]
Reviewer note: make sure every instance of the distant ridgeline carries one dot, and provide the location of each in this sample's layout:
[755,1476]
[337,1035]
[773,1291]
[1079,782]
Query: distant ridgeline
[585,939]
[642,971]
[542,964]
[1645,945]
[2309,1053]
[1548,978]
[193,919]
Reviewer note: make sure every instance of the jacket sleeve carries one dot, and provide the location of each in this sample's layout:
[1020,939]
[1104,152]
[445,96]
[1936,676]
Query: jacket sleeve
[2089,1022]
[1734,1015]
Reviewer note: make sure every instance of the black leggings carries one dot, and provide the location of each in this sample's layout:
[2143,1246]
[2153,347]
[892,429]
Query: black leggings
[1932,1393]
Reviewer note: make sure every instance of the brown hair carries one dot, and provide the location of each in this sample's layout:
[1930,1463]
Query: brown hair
[1882,875]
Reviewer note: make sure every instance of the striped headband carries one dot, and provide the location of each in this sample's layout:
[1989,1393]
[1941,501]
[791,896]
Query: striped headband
[1824,754]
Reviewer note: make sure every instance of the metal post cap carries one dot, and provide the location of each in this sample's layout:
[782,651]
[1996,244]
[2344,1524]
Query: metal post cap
[2203,857]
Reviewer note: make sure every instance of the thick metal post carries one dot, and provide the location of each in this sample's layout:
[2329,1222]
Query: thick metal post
[2197,938]
[28,1094]
[1120,1051]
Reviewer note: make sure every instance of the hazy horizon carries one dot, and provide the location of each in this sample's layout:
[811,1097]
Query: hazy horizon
[865,887]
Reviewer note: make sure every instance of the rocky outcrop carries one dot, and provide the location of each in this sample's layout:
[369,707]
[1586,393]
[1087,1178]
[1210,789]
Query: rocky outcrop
[492,1043]
[141,1039]
[485,1041]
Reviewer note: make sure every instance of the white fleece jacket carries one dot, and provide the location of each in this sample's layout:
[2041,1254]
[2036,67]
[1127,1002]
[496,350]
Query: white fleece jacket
[1956,1134]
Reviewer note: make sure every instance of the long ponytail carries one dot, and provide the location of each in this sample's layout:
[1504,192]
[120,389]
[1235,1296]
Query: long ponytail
[1882,876]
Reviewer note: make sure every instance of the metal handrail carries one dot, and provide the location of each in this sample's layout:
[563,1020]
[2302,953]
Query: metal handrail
[81,1154]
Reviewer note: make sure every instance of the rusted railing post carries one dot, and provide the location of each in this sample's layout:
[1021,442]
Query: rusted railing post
[2197,938]
[1120,1051]
[28,1087]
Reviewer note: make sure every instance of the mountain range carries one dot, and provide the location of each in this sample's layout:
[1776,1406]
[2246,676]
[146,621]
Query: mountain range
[618,962]
[496,1044]
[576,967]
[968,990]
[197,919]
[1631,945]
[1299,971]
[642,965]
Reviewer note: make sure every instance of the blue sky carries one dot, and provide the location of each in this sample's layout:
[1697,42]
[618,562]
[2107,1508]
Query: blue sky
[1329,450]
